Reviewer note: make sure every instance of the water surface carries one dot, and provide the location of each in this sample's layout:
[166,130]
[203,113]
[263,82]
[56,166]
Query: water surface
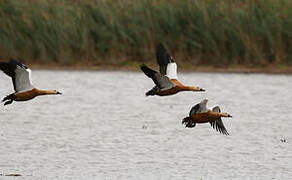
[103,127]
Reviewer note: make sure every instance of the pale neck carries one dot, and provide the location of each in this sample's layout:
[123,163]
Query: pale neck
[224,114]
[46,92]
[191,88]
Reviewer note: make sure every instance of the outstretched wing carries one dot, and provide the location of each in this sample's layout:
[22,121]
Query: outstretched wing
[8,70]
[199,108]
[163,59]
[161,81]
[20,74]
[218,124]
[195,109]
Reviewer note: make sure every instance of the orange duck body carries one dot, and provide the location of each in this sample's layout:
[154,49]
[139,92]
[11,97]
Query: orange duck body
[21,79]
[28,95]
[206,117]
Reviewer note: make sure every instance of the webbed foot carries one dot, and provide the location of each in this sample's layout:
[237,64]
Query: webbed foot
[8,102]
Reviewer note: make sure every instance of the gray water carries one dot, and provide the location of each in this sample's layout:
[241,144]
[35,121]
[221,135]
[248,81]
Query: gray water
[103,127]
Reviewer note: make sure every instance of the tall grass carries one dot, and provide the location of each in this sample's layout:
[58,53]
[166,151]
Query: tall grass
[107,31]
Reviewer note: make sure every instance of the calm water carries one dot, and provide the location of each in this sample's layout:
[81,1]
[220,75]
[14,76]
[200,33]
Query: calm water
[103,127]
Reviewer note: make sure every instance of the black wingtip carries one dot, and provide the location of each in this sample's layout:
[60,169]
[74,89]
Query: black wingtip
[188,122]
[143,67]
[147,71]
[160,47]
[162,56]
[14,61]
[225,133]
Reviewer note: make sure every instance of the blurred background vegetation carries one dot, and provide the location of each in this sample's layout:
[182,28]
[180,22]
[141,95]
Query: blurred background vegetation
[208,32]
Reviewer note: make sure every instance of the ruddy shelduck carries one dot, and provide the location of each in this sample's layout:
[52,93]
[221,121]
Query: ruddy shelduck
[21,78]
[166,80]
[200,114]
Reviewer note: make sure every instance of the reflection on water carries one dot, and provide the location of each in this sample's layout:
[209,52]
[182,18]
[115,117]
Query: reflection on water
[103,126]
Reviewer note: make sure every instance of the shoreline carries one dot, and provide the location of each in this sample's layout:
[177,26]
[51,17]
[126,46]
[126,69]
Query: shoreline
[134,66]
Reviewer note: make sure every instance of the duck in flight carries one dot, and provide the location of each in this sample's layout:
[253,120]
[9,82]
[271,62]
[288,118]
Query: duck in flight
[166,82]
[21,78]
[200,114]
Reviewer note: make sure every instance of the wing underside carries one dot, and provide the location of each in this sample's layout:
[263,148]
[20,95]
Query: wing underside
[218,124]
[22,79]
[20,74]
[194,110]
[161,81]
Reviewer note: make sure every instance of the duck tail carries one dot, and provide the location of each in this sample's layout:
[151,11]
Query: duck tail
[153,91]
[150,93]
[188,122]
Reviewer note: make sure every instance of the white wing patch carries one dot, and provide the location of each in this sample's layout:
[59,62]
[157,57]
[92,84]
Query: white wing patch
[171,70]
[22,79]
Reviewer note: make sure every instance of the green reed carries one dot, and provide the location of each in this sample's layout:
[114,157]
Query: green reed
[195,31]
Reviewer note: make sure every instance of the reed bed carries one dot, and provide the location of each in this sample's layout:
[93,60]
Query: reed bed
[215,32]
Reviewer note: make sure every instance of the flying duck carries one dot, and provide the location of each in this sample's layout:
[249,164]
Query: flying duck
[21,78]
[200,114]
[166,82]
